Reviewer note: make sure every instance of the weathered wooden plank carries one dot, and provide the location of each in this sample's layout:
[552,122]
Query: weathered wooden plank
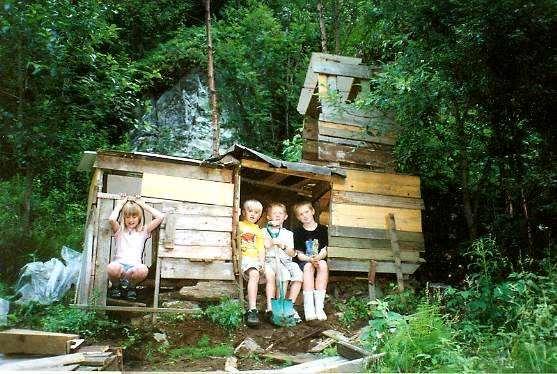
[391,226]
[197,252]
[198,237]
[371,254]
[380,157]
[338,130]
[113,162]
[374,217]
[209,290]
[86,259]
[376,234]
[378,183]
[175,268]
[298,191]
[361,198]
[325,218]
[103,249]
[259,165]
[346,70]
[298,358]
[117,184]
[187,189]
[349,242]
[310,128]
[180,207]
[368,120]
[35,342]
[203,223]
[337,264]
[44,363]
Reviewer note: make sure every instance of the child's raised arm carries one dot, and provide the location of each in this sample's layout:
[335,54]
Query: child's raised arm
[158,216]
[113,218]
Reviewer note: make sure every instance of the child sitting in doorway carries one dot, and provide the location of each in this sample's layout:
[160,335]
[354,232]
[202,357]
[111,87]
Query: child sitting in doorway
[253,255]
[127,268]
[311,241]
[279,244]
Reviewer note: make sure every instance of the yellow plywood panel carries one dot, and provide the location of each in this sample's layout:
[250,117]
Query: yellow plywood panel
[378,183]
[186,189]
[374,217]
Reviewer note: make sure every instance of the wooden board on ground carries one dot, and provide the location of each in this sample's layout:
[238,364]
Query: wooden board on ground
[362,266]
[187,189]
[35,342]
[378,183]
[178,268]
[298,358]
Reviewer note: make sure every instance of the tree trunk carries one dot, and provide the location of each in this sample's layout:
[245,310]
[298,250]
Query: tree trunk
[211,79]
[336,25]
[467,200]
[322,26]
[27,195]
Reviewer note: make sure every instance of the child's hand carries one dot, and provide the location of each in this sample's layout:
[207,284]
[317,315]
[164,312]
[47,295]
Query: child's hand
[277,242]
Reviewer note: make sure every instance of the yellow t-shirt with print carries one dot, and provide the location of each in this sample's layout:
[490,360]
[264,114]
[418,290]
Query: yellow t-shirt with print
[251,239]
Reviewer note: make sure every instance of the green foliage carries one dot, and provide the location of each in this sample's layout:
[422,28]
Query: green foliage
[292,150]
[227,313]
[62,318]
[353,310]
[330,351]
[405,302]
[202,349]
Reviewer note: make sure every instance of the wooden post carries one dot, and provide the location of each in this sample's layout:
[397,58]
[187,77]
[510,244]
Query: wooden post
[211,79]
[391,228]
[236,249]
[371,280]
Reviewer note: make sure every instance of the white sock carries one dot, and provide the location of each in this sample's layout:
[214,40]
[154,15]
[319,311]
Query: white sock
[309,307]
[319,296]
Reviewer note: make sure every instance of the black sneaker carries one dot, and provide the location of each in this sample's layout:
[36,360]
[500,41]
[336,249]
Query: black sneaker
[131,295]
[115,292]
[269,316]
[252,318]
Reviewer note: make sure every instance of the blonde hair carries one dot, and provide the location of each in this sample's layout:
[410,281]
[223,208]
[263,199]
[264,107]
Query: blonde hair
[301,205]
[253,204]
[132,209]
[276,204]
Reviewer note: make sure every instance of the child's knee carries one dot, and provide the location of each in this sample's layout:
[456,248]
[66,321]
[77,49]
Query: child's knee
[114,269]
[253,275]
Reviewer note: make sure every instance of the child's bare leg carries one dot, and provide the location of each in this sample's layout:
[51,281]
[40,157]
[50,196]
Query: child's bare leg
[309,277]
[137,274]
[270,288]
[115,271]
[295,287]
[322,277]
[253,282]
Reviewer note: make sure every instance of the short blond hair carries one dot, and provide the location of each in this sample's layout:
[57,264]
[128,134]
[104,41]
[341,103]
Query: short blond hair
[253,204]
[273,204]
[301,205]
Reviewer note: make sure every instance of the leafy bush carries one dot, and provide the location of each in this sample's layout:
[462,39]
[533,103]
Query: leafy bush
[62,318]
[405,302]
[202,349]
[353,310]
[228,313]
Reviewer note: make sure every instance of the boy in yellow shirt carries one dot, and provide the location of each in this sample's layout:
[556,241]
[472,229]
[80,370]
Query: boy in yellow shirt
[253,255]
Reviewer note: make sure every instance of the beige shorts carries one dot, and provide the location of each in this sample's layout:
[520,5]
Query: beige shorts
[289,270]
[247,264]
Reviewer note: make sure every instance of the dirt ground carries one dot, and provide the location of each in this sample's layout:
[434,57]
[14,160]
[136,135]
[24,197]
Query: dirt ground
[148,354]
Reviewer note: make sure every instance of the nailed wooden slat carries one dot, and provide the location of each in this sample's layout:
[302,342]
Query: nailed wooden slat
[203,223]
[367,120]
[187,189]
[374,217]
[113,162]
[176,268]
[181,207]
[380,157]
[348,242]
[378,183]
[197,252]
[310,128]
[259,165]
[169,230]
[199,237]
[336,264]
[375,234]
[86,260]
[360,198]
[103,249]
[391,226]
[338,130]
[346,70]
[371,254]
[35,342]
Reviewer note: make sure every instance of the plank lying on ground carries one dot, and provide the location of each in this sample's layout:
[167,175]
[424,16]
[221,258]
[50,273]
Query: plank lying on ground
[43,363]
[333,334]
[121,302]
[298,358]
[35,342]
[322,345]
[351,351]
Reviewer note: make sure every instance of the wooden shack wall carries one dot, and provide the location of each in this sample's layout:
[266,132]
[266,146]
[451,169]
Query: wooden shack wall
[357,232]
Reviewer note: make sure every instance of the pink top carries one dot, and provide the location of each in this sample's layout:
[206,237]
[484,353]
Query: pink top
[129,246]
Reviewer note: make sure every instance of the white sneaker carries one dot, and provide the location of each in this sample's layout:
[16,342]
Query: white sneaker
[309,306]
[319,296]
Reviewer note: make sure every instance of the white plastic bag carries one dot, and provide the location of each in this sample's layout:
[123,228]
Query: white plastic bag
[4,310]
[46,282]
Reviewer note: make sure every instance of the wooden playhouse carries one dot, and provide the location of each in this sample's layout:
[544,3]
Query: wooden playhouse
[346,172]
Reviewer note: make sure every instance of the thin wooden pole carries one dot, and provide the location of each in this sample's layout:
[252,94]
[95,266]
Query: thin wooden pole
[322,26]
[211,79]
[391,227]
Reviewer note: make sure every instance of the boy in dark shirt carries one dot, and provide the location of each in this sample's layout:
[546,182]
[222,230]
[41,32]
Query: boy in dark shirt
[311,241]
